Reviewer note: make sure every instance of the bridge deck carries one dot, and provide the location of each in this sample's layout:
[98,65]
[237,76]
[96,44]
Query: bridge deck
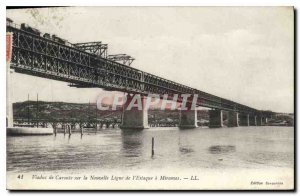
[38,56]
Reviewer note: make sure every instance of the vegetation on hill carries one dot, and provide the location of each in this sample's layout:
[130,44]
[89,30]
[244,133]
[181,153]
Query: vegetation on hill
[86,111]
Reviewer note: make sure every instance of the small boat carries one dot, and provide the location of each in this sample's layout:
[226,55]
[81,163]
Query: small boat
[29,131]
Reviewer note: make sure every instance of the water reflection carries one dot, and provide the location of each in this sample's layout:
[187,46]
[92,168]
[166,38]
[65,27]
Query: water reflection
[185,150]
[132,143]
[221,149]
[198,148]
[184,142]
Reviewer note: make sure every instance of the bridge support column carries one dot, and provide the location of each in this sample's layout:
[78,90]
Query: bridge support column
[215,118]
[259,121]
[134,117]
[188,119]
[264,120]
[233,119]
[244,119]
[252,121]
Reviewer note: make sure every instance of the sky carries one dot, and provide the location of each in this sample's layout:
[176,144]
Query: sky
[245,54]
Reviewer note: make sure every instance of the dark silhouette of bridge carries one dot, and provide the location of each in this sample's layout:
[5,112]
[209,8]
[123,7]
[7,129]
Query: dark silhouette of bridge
[84,65]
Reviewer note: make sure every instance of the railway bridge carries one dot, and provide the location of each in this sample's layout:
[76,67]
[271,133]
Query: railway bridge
[84,66]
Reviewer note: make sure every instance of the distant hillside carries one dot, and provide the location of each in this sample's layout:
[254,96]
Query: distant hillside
[84,111]
[282,119]
[61,110]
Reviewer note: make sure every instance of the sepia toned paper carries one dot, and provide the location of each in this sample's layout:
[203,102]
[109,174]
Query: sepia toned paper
[150,98]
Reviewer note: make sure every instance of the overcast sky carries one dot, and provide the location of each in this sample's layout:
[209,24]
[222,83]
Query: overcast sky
[242,54]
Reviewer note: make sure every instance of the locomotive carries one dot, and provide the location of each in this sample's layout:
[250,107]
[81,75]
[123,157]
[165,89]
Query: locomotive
[29,29]
[26,27]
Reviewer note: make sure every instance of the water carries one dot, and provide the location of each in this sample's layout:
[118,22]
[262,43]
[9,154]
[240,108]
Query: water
[240,147]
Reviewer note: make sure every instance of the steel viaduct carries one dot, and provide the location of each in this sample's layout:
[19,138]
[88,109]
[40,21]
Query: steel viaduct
[37,55]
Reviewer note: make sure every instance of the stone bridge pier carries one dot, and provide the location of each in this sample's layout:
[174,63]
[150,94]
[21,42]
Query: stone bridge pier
[215,118]
[135,115]
[259,121]
[264,120]
[233,119]
[244,119]
[188,119]
[252,120]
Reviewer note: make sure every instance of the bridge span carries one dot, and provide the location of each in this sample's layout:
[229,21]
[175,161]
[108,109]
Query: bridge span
[57,59]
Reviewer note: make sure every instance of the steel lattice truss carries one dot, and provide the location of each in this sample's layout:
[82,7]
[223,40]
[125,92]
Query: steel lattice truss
[35,55]
[96,48]
[125,59]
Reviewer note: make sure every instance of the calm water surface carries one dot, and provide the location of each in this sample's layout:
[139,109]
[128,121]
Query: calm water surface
[240,147]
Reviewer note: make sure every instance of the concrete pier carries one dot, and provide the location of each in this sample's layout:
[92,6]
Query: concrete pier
[252,121]
[233,119]
[264,120]
[188,119]
[259,121]
[215,118]
[134,118]
[244,119]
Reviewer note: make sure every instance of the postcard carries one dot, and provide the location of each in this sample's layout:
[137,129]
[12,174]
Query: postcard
[150,98]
